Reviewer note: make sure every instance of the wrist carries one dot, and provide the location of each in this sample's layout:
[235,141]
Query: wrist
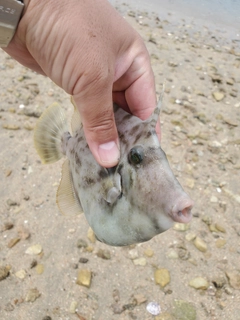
[10,14]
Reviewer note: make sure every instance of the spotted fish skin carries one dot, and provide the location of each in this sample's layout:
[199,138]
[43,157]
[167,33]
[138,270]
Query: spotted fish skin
[129,203]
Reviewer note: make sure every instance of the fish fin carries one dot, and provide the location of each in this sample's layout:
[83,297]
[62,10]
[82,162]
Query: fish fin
[66,197]
[48,132]
[76,118]
[113,188]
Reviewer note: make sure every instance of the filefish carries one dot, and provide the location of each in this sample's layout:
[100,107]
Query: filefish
[129,203]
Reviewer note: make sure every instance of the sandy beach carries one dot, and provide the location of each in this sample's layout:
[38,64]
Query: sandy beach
[191,271]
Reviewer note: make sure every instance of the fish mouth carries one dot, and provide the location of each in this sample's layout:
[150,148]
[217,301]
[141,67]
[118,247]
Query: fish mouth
[181,211]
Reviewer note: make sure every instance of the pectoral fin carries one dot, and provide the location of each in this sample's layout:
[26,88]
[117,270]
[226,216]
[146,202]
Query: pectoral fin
[67,201]
[113,188]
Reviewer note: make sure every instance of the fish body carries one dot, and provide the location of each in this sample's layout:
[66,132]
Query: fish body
[126,204]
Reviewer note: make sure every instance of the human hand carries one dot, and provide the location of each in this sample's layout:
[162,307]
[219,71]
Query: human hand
[90,51]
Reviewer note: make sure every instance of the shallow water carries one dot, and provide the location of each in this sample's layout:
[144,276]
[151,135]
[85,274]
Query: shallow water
[223,15]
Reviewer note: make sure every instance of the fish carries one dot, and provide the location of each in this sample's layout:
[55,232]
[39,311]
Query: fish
[129,203]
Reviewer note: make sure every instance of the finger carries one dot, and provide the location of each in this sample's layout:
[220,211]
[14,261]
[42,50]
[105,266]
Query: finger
[99,127]
[139,86]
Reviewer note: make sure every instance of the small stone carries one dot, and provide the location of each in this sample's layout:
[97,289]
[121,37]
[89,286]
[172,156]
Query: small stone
[190,183]
[199,283]
[200,244]
[7,226]
[9,307]
[33,264]
[149,252]
[230,81]
[39,268]
[218,96]
[220,243]
[213,228]
[21,274]
[81,243]
[73,307]
[140,262]
[12,203]
[116,295]
[8,172]
[153,308]
[206,219]
[32,295]
[133,254]
[214,199]
[28,126]
[83,260]
[34,250]
[13,242]
[172,254]
[104,254]
[47,318]
[165,316]
[190,236]
[220,228]
[4,272]
[234,279]
[84,278]
[162,277]
[91,235]
[219,281]
[23,233]
[139,299]
[181,226]
[184,310]
[11,126]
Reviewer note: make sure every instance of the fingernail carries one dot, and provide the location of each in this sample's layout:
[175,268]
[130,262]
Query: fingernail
[109,152]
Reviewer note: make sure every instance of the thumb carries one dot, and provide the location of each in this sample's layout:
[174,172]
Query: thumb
[99,127]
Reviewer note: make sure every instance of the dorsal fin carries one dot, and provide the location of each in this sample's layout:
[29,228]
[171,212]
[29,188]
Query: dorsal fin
[76,118]
[66,198]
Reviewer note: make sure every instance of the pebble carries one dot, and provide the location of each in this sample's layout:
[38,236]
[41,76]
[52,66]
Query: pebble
[104,254]
[172,254]
[13,242]
[181,226]
[133,254]
[190,183]
[32,295]
[234,278]
[184,310]
[218,96]
[162,277]
[21,274]
[199,283]
[47,318]
[219,281]
[200,244]
[83,260]
[84,278]
[10,126]
[220,243]
[153,308]
[81,243]
[39,268]
[34,250]
[220,228]
[139,299]
[73,307]
[165,316]
[91,235]
[140,262]
[149,252]
[4,272]
[214,199]
[9,307]
[190,236]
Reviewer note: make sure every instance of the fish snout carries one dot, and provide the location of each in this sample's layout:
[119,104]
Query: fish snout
[181,210]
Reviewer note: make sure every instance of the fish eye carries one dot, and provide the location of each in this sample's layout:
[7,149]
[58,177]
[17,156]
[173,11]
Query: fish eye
[136,155]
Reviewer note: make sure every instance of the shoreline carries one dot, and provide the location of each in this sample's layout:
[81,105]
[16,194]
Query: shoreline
[188,15]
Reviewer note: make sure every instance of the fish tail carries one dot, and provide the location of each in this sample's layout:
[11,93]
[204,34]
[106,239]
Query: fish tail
[48,133]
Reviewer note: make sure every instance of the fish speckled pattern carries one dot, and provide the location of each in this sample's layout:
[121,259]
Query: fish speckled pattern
[126,204]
